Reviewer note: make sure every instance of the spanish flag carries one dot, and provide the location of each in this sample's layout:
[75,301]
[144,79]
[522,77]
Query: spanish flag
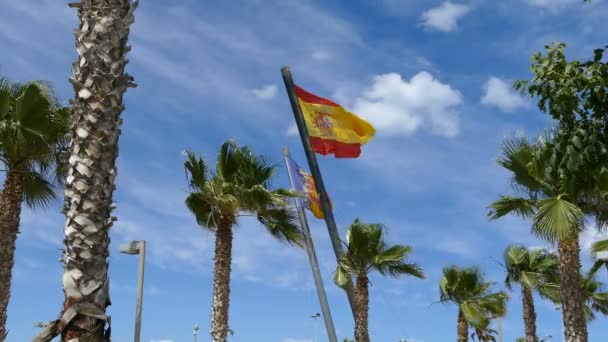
[304,184]
[331,128]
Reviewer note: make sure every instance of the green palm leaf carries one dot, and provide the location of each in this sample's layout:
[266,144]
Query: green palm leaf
[557,219]
[511,205]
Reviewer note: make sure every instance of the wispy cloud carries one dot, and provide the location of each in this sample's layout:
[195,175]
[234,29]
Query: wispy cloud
[320,55]
[266,92]
[552,5]
[444,17]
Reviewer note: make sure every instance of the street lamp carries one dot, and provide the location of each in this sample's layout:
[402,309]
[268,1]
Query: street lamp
[195,330]
[133,248]
[315,316]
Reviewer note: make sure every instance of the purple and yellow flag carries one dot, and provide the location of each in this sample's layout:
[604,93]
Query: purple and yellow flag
[305,184]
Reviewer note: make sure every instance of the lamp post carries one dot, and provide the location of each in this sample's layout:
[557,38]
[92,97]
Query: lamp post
[315,316]
[195,331]
[500,329]
[133,248]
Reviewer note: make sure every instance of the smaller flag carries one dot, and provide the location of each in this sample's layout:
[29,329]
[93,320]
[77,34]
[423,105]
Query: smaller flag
[305,184]
[331,128]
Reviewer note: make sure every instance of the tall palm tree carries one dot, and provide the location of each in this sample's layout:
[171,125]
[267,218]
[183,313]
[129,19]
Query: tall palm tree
[477,305]
[366,251]
[32,136]
[99,81]
[533,270]
[239,186]
[557,207]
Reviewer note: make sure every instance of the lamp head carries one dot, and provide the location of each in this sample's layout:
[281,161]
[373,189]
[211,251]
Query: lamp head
[131,247]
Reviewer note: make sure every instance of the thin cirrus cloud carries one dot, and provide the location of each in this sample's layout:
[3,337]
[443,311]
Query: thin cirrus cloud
[444,17]
[266,92]
[498,93]
[552,4]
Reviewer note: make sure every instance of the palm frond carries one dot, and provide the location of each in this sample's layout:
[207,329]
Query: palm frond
[37,191]
[518,154]
[282,224]
[599,246]
[229,161]
[505,205]
[557,219]
[196,168]
[204,209]
[399,269]
[342,275]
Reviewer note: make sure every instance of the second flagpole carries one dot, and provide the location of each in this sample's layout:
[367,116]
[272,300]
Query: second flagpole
[332,228]
[312,258]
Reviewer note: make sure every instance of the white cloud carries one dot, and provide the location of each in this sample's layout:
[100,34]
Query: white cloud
[292,130]
[266,92]
[589,236]
[498,93]
[552,4]
[444,17]
[396,106]
[320,55]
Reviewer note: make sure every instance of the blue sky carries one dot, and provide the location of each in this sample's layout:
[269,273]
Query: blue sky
[433,76]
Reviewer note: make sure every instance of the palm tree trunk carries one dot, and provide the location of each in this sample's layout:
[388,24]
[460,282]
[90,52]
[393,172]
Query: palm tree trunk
[362,309]
[529,313]
[463,327]
[10,211]
[99,82]
[575,324]
[221,281]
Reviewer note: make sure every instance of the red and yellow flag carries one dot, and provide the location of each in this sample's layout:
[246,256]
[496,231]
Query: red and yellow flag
[333,129]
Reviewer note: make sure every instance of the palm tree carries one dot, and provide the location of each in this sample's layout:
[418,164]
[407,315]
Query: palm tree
[239,186]
[533,270]
[32,136]
[477,305]
[366,251]
[99,82]
[595,299]
[558,208]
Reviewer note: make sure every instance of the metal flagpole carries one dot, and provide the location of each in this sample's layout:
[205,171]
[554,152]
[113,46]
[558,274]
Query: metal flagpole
[312,258]
[316,175]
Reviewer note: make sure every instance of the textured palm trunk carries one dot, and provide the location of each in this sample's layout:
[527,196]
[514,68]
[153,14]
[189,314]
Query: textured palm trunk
[575,324]
[529,313]
[10,211]
[221,281]
[99,82]
[362,309]
[463,327]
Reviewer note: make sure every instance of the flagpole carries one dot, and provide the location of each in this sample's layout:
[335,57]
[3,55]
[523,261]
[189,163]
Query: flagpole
[312,258]
[332,228]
